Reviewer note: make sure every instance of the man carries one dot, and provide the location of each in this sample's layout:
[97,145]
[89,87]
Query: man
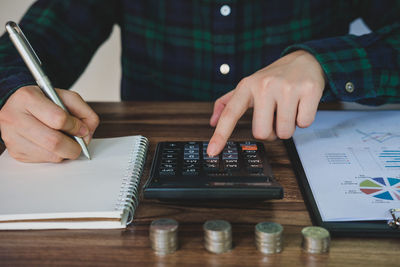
[280,58]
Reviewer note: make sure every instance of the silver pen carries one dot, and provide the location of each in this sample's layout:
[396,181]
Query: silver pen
[33,63]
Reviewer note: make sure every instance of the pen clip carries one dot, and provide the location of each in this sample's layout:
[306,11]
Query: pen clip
[18,31]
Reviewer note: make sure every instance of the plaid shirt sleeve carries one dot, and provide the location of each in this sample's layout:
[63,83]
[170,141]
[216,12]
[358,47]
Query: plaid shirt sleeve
[64,34]
[363,69]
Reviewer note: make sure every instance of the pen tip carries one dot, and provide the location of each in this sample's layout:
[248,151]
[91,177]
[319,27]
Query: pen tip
[86,152]
[87,155]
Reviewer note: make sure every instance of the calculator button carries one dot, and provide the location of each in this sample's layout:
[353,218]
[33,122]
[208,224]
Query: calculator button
[211,167]
[191,151]
[191,146]
[169,156]
[191,156]
[168,165]
[167,161]
[249,151]
[167,172]
[189,161]
[170,151]
[190,166]
[190,171]
[212,161]
[254,161]
[231,166]
[248,143]
[171,145]
[231,161]
[251,156]
[249,147]
[207,157]
[230,151]
[255,167]
[230,156]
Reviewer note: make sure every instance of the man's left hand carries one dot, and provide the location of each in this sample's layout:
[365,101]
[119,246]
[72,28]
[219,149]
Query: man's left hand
[283,95]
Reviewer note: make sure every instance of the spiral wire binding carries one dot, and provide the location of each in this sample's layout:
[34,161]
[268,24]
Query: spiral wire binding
[128,199]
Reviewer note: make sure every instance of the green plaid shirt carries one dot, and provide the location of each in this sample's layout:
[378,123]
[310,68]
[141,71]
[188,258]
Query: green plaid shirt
[173,49]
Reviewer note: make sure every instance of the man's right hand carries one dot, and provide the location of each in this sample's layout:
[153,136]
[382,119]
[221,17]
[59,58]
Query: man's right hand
[34,129]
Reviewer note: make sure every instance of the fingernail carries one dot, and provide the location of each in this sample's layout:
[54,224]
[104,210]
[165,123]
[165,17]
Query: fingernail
[83,131]
[212,149]
[212,120]
[86,139]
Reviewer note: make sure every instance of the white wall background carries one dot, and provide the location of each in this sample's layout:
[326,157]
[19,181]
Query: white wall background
[98,82]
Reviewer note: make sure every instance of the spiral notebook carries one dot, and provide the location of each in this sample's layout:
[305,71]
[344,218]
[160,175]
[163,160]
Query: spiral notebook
[75,194]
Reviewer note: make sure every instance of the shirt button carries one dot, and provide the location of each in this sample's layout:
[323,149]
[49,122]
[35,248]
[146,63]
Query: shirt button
[224,68]
[225,10]
[349,87]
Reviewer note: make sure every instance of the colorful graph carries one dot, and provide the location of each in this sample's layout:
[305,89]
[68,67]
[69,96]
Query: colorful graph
[390,159]
[383,188]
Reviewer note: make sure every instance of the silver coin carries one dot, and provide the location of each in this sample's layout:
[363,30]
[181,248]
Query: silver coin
[220,238]
[269,228]
[164,225]
[217,236]
[218,249]
[163,236]
[315,232]
[268,237]
[265,250]
[217,226]
[268,240]
[315,239]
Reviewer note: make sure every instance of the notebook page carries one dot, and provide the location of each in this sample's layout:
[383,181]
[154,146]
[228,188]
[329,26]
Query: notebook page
[71,189]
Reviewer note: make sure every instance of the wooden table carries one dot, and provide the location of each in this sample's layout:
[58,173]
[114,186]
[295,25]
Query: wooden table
[189,121]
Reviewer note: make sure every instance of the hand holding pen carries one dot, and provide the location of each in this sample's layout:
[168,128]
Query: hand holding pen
[34,126]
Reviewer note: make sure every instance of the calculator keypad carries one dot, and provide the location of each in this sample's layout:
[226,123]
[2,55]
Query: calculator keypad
[191,159]
[183,170]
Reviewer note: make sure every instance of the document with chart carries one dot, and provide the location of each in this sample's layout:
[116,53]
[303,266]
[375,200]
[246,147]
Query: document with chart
[352,163]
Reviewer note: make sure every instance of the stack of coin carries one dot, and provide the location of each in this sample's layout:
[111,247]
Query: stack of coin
[164,236]
[269,237]
[315,239]
[217,236]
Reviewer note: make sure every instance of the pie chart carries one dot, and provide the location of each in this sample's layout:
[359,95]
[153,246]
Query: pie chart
[386,188]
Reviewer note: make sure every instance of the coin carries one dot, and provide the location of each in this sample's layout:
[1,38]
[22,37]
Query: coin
[269,228]
[315,239]
[163,236]
[164,225]
[268,237]
[217,236]
[217,226]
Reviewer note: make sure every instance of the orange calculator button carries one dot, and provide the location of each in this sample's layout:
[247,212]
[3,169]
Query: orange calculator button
[249,147]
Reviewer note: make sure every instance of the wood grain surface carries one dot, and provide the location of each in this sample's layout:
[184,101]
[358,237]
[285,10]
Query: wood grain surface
[161,121]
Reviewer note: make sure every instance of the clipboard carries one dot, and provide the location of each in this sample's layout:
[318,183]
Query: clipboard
[378,228]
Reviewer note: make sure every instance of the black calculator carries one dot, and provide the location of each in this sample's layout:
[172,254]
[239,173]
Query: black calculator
[183,170]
